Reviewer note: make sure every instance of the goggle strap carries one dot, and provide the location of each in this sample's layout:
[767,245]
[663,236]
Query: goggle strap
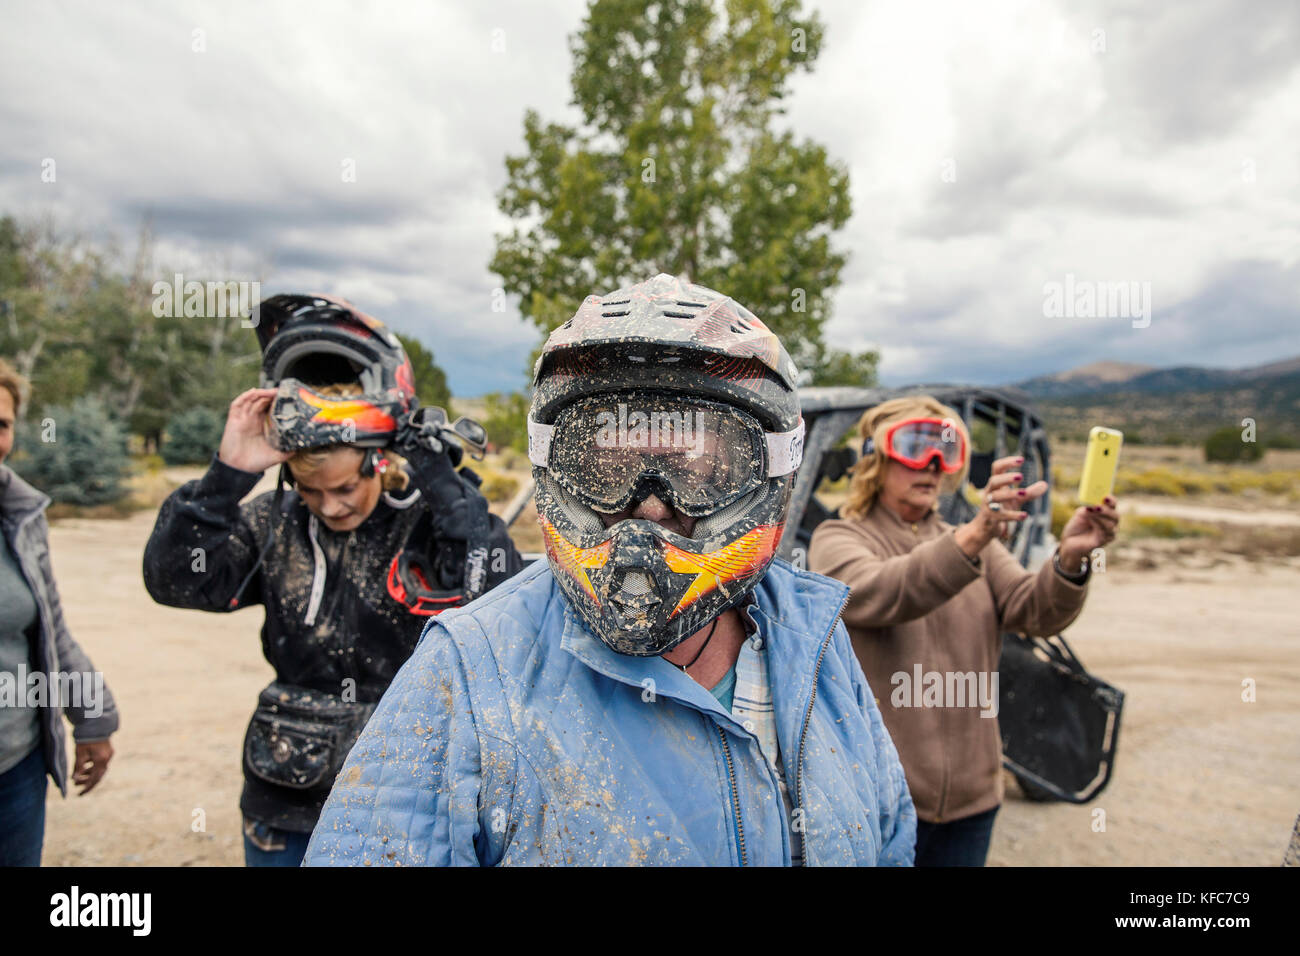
[539,442]
[784,451]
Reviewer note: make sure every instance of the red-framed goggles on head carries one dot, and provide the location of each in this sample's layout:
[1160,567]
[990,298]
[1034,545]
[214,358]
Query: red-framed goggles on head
[915,442]
[612,450]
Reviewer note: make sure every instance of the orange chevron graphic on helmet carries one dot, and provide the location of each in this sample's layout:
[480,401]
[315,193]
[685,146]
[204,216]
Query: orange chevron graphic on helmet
[574,560]
[739,559]
[362,414]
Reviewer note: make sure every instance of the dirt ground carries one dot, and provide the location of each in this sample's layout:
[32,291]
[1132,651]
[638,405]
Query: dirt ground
[1202,776]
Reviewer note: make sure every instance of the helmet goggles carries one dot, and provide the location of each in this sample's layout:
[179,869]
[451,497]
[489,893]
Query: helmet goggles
[610,451]
[301,417]
[916,442]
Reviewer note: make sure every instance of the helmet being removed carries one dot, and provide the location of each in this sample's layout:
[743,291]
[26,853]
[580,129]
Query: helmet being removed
[310,341]
[671,389]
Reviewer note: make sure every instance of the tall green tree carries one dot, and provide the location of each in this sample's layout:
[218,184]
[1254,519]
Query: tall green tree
[430,380]
[677,168]
[78,322]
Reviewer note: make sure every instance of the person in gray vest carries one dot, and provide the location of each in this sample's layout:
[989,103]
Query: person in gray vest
[43,672]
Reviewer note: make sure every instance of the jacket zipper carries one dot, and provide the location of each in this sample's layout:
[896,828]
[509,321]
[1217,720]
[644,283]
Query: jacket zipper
[46,628]
[735,796]
[807,719]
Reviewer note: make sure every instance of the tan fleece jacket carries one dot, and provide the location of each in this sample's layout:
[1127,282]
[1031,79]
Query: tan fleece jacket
[919,606]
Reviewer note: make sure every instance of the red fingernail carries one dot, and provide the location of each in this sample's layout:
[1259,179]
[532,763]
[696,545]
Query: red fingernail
[1092,508]
[1020,461]
[1021,492]
[1018,477]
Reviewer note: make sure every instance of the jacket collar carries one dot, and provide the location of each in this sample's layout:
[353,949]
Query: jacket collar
[794,612]
[18,500]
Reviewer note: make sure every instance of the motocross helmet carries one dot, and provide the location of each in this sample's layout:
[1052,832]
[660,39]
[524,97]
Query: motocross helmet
[309,341]
[671,389]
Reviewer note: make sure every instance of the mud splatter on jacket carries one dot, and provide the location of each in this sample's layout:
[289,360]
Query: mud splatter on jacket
[204,544]
[514,736]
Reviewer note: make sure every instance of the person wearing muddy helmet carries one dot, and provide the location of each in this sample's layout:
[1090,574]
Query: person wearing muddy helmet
[379,531]
[662,689]
[673,391]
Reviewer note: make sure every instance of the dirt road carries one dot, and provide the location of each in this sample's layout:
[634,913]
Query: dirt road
[1202,778]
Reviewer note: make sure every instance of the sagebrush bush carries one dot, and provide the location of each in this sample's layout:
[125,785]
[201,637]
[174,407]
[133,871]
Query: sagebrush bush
[1225,444]
[76,454]
[1153,526]
[192,437]
[497,486]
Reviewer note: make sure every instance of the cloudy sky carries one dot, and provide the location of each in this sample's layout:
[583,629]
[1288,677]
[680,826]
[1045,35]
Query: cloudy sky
[995,148]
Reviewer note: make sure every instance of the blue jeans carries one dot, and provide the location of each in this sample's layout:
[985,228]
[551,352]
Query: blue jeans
[22,811]
[963,842]
[264,845]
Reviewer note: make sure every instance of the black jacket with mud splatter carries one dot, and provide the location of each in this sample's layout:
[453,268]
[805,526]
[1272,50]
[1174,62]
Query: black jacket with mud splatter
[352,629]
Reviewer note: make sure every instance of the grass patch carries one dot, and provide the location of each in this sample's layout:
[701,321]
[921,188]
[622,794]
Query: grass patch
[1178,483]
[1153,526]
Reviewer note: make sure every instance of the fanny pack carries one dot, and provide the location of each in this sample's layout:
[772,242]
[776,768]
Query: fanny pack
[299,738]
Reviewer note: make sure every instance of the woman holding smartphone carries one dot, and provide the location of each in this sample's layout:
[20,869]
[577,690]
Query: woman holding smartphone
[925,593]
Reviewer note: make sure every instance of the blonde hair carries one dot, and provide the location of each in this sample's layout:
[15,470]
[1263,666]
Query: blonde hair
[14,384]
[869,473]
[307,460]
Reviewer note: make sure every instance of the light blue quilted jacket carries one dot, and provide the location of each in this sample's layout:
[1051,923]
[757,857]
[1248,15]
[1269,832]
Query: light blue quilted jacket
[514,736]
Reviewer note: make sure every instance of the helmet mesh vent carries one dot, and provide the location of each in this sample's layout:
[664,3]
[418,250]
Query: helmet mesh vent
[723,519]
[586,520]
[634,585]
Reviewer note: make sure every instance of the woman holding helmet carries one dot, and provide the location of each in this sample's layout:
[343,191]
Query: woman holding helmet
[349,564]
[930,599]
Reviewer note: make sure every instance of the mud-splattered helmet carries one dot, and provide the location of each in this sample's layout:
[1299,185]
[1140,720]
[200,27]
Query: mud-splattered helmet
[309,341]
[671,389]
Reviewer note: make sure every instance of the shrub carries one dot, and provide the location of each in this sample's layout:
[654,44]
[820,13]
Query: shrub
[497,486]
[76,454]
[506,420]
[1151,526]
[1062,511]
[192,437]
[1225,444]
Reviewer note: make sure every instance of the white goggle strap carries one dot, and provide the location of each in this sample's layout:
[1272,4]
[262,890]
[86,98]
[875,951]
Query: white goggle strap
[539,442]
[784,451]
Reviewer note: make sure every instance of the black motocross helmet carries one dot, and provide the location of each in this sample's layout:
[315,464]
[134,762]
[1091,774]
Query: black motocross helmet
[309,341]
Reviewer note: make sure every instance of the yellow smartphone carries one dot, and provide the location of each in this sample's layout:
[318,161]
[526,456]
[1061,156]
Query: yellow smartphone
[1100,464]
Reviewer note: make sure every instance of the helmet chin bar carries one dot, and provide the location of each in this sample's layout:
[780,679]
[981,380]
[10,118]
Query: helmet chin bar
[644,589]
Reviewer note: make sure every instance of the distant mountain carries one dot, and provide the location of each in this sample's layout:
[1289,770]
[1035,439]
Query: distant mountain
[1181,404]
[1083,379]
